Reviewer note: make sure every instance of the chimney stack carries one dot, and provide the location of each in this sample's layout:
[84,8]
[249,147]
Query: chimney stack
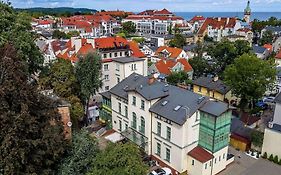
[151,80]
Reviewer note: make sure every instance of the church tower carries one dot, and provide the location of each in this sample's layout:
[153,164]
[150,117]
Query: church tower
[247,13]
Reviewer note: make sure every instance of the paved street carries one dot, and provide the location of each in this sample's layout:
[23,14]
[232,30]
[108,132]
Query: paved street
[249,166]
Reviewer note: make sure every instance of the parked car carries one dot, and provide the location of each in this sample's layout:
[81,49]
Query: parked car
[268,99]
[161,171]
[261,104]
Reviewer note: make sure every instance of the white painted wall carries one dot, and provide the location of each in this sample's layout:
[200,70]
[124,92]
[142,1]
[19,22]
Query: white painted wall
[271,142]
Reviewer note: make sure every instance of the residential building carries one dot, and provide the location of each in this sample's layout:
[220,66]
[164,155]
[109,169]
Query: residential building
[247,13]
[276,30]
[214,88]
[278,58]
[260,51]
[272,134]
[218,28]
[154,21]
[167,67]
[168,53]
[276,44]
[197,22]
[172,125]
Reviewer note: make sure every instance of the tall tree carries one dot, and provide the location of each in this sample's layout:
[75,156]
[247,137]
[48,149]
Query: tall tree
[16,28]
[62,79]
[88,73]
[200,66]
[178,41]
[267,38]
[177,77]
[249,77]
[129,27]
[31,134]
[119,158]
[81,156]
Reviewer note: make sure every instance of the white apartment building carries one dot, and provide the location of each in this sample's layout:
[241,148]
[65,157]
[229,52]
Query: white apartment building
[171,124]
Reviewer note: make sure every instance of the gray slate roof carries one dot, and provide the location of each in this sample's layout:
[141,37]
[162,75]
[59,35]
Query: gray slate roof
[106,94]
[190,47]
[215,108]
[273,28]
[258,49]
[174,96]
[238,127]
[127,59]
[208,82]
[178,97]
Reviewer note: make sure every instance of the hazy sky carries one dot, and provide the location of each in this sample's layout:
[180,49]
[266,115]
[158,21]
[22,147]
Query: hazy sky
[173,5]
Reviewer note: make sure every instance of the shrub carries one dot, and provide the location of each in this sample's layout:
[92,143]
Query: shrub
[270,157]
[276,160]
[279,162]
[264,155]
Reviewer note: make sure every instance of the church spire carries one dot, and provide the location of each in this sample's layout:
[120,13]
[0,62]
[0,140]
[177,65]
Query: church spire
[247,10]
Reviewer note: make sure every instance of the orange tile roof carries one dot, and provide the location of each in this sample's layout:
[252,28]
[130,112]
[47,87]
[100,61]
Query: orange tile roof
[86,48]
[278,56]
[110,42]
[165,66]
[200,154]
[268,47]
[198,18]
[174,52]
[136,50]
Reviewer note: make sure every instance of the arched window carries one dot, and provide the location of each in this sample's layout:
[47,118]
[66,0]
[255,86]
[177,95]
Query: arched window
[142,128]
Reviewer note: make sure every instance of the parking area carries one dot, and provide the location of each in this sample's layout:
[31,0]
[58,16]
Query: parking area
[245,165]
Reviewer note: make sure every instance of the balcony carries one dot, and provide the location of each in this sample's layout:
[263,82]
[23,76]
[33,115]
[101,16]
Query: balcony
[142,129]
[136,137]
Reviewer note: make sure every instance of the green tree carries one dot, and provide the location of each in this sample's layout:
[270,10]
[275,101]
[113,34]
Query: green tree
[31,134]
[264,155]
[59,35]
[62,79]
[178,41]
[88,73]
[257,138]
[249,77]
[119,158]
[275,160]
[267,38]
[177,77]
[139,39]
[242,47]
[129,27]
[271,158]
[200,66]
[81,156]
[15,28]
[72,34]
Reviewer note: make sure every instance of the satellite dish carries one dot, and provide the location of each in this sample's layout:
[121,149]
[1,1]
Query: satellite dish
[69,124]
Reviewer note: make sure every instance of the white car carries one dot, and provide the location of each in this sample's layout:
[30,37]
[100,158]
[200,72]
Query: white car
[268,99]
[161,171]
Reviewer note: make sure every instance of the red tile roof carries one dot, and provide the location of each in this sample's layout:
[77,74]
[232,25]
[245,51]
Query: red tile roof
[136,50]
[217,23]
[86,48]
[45,22]
[165,66]
[278,56]
[163,18]
[174,52]
[198,18]
[244,30]
[110,42]
[200,154]
[163,12]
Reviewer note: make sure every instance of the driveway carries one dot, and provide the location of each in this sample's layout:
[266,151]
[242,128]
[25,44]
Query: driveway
[246,165]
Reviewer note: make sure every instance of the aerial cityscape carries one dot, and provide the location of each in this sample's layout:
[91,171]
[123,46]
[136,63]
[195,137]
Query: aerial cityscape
[152,87]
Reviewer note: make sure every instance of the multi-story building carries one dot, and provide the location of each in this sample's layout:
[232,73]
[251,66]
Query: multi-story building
[272,134]
[166,52]
[172,125]
[154,21]
[219,27]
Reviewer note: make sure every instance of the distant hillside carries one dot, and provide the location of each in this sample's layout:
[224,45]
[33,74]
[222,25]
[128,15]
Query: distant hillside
[59,11]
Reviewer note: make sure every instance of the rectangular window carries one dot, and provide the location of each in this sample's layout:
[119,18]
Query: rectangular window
[135,66]
[106,77]
[117,67]
[158,151]
[206,165]
[158,128]
[118,80]
[119,107]
[110,55]
[168,155]
[126,126]
[104,55]
[142,104]
[192,162]
[199,89]
[168,133]
[106,88]
[134,101]
[105,67]
[215,160]
[223,156]
[219,158]
[126,111]
[115,54]
[120,125]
